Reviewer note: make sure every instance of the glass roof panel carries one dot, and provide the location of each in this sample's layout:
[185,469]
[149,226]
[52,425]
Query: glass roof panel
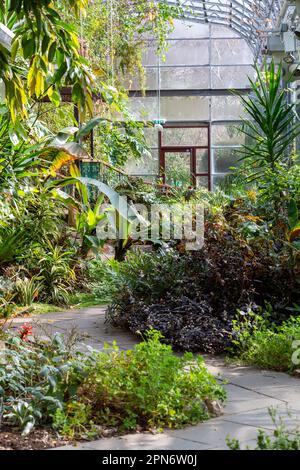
[251,19]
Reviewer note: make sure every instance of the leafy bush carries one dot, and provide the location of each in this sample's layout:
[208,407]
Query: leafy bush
[7,305]
[35,380]
[52,383]
[102,278]
[282,439]
[149,386]
[192,298]
[264,344]
[149,276]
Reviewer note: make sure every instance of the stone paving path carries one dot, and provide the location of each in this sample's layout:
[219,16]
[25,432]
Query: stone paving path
[250,393]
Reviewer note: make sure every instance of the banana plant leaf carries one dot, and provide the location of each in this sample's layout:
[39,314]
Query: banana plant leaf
[87,129]
[118,202]
[63,136]
[71,148]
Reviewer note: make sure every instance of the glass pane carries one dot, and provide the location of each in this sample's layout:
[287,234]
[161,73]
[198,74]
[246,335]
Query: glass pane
[227,108]
[202,181]
[144,166]
[188,52]
[184,108]
[217,179]
[145,108]
[224,158]
[150,56]
[178,168]
[179,78]
[134,83]
[185,29]
[151,136]
[197,136]
[232,77]
[231,52]
[227,134]
[222,32]
[201,161]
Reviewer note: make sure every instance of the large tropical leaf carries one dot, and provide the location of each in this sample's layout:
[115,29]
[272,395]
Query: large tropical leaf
[71,148]
[63,136]
[61,159]
[87,129]
[68,200]
[119,203]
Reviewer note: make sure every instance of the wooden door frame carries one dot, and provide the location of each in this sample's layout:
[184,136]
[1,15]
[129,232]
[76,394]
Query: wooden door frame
[183,148]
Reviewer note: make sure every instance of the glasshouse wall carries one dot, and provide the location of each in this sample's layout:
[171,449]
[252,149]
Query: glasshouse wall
[190,89]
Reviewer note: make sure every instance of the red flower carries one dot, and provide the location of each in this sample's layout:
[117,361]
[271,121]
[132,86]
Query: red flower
[25,331]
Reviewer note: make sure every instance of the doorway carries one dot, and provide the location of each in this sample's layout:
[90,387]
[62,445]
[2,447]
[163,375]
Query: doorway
[185,156]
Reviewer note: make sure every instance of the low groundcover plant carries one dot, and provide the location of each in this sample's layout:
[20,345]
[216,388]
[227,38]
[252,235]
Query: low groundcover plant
[78,395]
[260,342]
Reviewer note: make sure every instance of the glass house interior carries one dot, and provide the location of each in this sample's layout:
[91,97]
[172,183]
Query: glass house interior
[191,94]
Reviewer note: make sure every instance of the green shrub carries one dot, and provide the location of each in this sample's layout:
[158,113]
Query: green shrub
[50,383]
[150,276]
[149,386]
[260,343]
[73,420]
[103,279]
[147,275]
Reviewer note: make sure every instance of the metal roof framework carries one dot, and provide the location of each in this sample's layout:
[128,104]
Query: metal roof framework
[251,19]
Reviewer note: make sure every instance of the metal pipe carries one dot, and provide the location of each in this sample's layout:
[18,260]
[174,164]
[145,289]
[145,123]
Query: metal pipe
[283,12]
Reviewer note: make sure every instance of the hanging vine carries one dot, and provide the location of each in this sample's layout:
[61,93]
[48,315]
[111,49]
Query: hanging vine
[130,24]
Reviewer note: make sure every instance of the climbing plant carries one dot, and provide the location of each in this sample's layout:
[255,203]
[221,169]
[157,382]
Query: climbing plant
[115,34]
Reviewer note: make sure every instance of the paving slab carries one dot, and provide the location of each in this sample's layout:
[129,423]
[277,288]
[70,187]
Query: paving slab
[261,418]
[263,381]
[243,400]
[215,432]
[144,442]
[88,322]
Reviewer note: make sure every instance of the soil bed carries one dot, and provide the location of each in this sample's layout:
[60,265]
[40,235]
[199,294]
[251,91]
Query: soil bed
[38,439]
